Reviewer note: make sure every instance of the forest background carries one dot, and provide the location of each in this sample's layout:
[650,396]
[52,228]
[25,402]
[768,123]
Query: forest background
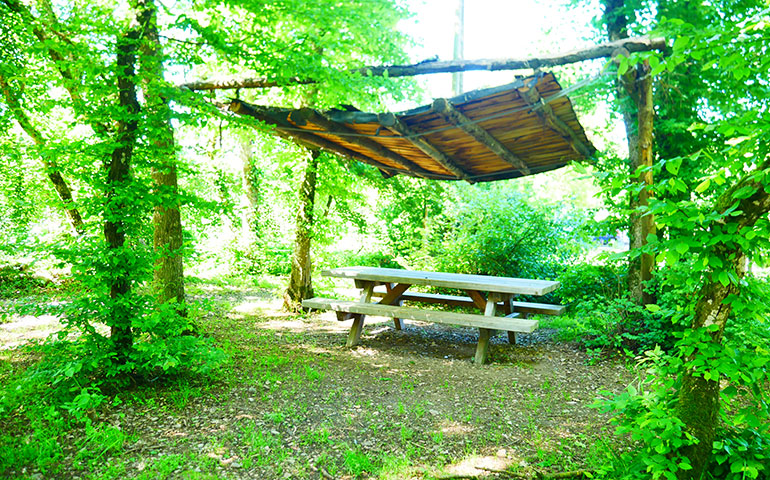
[123,189]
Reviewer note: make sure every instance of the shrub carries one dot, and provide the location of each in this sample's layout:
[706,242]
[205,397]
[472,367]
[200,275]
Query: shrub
[497,233]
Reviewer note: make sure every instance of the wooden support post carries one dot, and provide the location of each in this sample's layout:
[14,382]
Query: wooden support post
[508,311]
[482,349]
[354,336]
[394,298]
[445,108]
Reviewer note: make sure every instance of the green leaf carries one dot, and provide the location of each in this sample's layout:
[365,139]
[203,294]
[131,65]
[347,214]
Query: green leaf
[702,186]
[673,166]
[681,43]
[682,248]
[723,278]
[652,308]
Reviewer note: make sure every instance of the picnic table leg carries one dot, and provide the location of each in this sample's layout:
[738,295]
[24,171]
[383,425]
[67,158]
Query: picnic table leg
[482,349]
[399,323]
[354,336]
[508,309]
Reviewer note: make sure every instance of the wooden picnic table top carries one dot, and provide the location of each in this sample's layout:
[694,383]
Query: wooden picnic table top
[486,283]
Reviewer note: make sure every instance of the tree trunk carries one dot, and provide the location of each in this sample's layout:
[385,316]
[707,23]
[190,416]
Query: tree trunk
[52,169]
[642,225]
[698,405]
[252,223]
[118,175]
[634,93]
[168,276]
[300,283]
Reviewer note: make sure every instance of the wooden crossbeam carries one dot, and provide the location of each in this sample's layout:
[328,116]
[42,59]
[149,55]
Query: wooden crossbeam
[397,126]
[332,127]
[275,118]
[551,120]
[422,68]
[445,108]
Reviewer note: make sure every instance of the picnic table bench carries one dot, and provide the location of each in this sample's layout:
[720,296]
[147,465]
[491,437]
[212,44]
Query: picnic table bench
[488,294]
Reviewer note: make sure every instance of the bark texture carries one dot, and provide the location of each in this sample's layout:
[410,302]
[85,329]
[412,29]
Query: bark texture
[52,169]
[698,405]
[300,283]
[167,238]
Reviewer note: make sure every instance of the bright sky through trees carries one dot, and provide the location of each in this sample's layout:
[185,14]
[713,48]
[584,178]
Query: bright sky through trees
[494,29]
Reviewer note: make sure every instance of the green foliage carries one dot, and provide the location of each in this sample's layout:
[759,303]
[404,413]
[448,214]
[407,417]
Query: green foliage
[741,454]
[495,233]
[359,464]
[409,211]
[647,413]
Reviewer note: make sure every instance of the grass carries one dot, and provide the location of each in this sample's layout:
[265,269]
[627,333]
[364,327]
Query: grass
[286,403]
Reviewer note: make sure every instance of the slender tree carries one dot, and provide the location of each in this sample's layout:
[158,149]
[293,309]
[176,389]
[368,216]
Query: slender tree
[634,95]
[167,220]
[300,282]
[50,165]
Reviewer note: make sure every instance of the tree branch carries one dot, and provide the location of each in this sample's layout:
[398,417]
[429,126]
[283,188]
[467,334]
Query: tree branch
[640,44]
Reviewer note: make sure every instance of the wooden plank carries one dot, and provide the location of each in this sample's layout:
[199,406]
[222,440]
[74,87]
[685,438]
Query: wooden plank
[551,120]
[428,148]
[460,301]
[541,308]
[435,316]
[452,300]
[350,135]
[445,108]
[450,280]
[278,118]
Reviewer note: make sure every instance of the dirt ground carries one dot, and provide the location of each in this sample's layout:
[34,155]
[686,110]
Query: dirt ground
[294,402]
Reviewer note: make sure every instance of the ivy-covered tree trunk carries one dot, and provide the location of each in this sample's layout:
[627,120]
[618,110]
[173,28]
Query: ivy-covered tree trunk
[300,283]
[698,405]
[167,238]
[634,93]
[52,170]
[118,176]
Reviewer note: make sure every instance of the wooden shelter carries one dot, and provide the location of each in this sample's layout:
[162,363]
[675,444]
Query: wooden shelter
[526,127]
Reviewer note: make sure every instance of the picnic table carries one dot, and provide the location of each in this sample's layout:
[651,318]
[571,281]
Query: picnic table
[485,293]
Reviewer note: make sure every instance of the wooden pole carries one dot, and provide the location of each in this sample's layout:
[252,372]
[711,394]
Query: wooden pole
[604,50]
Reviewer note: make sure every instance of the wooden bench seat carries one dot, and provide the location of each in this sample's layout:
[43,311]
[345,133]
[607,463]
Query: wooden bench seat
[509,323]
[460,301]
[486,324]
